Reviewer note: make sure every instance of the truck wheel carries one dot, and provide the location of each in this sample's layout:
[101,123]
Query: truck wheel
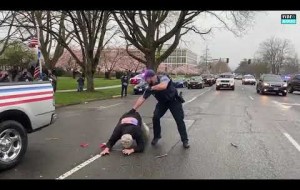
[13,144]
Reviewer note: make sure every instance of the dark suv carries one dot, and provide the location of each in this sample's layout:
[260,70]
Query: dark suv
[208,79]
[271,83]
[294,84]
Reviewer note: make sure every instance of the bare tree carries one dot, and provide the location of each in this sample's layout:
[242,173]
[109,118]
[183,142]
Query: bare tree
[90,29]
[27,23]
[274,51]
[291,65]
[148,31]
[7,19]
[109,59]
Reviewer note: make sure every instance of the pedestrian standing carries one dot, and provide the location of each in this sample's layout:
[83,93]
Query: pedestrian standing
[124,81]
[80,82]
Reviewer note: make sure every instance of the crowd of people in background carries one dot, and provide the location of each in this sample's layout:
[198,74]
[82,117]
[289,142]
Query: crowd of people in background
[25,75]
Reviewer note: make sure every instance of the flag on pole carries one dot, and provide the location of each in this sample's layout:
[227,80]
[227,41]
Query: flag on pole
[36,74]
[34,41]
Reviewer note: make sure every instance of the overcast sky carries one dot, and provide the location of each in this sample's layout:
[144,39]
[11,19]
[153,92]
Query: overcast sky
[224,44]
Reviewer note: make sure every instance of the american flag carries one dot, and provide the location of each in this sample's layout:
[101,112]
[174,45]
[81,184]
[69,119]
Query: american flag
[34,41]
[36,71]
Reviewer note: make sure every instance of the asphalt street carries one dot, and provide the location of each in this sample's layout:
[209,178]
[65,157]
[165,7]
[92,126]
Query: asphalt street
[233,135]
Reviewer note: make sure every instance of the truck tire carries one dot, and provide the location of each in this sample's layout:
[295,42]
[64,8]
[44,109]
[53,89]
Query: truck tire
[13,143]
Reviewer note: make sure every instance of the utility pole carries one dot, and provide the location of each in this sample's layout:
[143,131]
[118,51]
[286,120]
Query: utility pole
[206,57]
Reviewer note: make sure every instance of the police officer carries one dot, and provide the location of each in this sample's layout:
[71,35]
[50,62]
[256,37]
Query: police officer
[124,81]
[167,96]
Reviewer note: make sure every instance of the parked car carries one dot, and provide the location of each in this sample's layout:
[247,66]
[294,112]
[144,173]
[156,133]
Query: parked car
[248,79]
[208,79]
[195,82]
[294,84]
[286,78]
[136,79]
[271,83]
[225,80]
[179,83]
[140,88]
[238,77]
[25,107]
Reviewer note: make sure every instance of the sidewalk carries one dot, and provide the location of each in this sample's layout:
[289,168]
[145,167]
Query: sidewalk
[98,88]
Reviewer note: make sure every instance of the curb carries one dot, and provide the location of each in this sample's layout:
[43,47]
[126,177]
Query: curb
[116,96]
[92,100]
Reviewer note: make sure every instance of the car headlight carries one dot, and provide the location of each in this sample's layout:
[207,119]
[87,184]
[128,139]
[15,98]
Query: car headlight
[284,85]
[266,84]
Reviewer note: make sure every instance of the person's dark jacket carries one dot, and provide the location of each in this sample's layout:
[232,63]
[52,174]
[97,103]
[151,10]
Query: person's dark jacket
[134,131]
[164,96]
[80,81]
[124,80]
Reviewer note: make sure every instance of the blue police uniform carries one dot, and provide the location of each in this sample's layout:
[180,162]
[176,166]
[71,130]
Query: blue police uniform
[167,99]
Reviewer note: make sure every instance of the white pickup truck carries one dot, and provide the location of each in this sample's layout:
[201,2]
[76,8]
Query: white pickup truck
[25,107]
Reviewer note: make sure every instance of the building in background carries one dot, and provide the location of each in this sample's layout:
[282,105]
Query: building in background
[181,61]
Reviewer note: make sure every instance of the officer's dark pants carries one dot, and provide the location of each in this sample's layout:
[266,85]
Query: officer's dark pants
[124,88]
[177,112]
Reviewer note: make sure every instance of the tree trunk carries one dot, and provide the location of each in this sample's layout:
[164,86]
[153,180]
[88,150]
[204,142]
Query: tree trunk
[151,63]
[90,77]
[273,68]
[108,74]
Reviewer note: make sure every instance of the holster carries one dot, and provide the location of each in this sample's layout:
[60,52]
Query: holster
[180,98]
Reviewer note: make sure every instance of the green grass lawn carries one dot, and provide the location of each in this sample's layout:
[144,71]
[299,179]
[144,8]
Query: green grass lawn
[67,98]
[68,83]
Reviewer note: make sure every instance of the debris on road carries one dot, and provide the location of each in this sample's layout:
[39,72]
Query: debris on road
[234,145]
[161,156]
[83,145]
[48,139]
[85,102]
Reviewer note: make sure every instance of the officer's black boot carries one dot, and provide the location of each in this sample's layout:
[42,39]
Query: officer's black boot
[154,141]
[186,144]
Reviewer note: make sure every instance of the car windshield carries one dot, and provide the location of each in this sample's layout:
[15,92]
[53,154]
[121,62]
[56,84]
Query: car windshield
[226,76]
[274,78]
[249,77]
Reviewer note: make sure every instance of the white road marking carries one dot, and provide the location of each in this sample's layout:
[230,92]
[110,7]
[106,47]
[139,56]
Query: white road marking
[194,98]
[291,104]
[104,107]
[292,141]
[281,105]
[191,100]
[251,98]
[80,166]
